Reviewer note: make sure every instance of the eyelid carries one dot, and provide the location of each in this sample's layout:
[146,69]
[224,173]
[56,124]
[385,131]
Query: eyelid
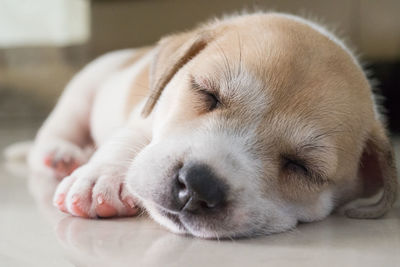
[312,173]
[209,90]
[296,162]
[317,177]
[206,86]
[194,83]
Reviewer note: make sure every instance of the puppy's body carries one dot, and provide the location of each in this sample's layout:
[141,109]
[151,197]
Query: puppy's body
[241,127]
[121,93]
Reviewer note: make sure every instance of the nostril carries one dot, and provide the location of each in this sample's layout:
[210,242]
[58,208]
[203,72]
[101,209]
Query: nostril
[194,204]
[182,192]
[198,188]
[181,185]
[206,205]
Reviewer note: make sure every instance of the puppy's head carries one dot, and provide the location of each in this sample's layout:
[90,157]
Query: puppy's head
[259,122]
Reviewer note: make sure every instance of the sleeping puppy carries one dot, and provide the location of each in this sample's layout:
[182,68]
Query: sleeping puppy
[243,126]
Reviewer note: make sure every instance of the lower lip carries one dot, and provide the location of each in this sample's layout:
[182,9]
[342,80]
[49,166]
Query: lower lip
[174,218]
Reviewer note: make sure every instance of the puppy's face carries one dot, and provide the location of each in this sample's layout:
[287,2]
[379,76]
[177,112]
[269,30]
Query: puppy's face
[263,125]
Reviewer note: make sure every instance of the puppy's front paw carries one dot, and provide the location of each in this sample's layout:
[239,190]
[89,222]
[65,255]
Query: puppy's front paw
[62,157]
[89,192]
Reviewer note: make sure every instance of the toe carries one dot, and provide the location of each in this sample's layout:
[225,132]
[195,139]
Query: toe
[104,209]
[76,207]
[48,160]
[130,206]
[65,167]
[64,158]
[59,202]
[59,199]
[79,196]
[73,165]
[130,203]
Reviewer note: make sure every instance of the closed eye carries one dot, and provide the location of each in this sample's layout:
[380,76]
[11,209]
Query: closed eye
[211,100]
[208,97]
[295,165]
[299,167]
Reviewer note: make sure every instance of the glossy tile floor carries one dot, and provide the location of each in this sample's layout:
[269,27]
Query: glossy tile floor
[33,233]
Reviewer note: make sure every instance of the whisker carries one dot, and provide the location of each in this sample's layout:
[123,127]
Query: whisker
[227,69]
[240,53]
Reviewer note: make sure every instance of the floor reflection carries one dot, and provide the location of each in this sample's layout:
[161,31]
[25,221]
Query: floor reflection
[141,242]
[107,242]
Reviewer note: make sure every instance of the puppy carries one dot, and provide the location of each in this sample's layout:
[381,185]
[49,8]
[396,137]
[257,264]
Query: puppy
[243,126]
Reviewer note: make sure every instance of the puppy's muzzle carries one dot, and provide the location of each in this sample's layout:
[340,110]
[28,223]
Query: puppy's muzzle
[198,190]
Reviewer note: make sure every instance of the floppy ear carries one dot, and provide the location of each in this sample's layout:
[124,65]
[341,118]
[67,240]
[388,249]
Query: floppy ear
[173,52]
[377,170]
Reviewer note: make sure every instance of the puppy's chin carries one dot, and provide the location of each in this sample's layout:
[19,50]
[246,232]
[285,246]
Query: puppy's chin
[177,224]
[166,219]
[186,224]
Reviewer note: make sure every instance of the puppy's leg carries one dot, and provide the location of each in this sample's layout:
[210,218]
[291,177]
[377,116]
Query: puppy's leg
[62,143]
[97,188]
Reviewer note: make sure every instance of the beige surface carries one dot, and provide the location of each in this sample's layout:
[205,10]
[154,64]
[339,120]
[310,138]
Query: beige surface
[33,233]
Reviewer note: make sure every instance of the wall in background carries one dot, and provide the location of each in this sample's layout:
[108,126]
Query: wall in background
[44,22]
[373,27]
[39,73]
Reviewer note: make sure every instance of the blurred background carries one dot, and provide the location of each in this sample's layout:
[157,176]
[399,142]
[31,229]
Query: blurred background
[44,42]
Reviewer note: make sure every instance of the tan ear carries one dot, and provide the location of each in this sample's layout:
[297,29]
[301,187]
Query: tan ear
[173,52]
[378,174]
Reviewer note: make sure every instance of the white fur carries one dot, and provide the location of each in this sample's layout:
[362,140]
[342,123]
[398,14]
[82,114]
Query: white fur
[113,92]
[18,151]
[136,155]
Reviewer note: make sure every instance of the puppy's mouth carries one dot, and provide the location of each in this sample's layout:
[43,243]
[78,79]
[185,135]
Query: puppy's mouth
[189,226]
[198,225]
[174,218]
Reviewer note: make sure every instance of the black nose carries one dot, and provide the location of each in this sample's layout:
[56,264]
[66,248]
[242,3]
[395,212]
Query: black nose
[199,189]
